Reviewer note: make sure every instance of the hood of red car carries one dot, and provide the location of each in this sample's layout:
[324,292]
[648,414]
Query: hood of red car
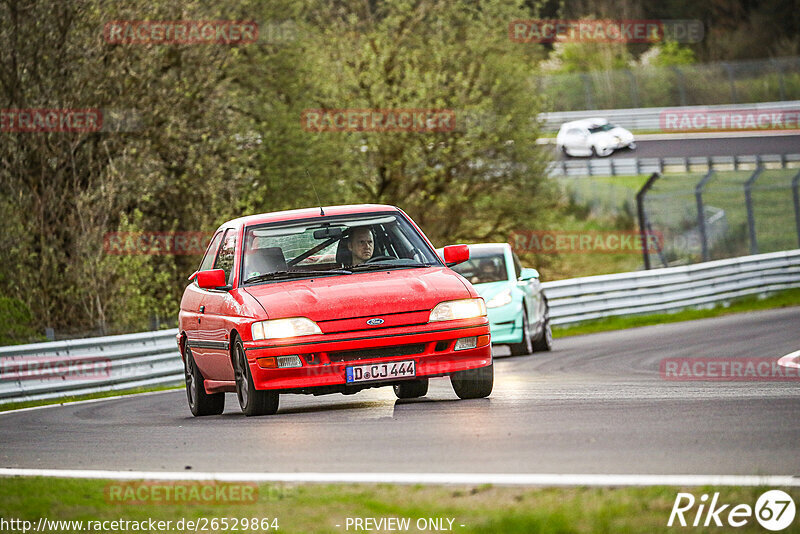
[329,298]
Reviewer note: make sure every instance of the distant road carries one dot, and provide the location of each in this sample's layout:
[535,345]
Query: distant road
[730,146]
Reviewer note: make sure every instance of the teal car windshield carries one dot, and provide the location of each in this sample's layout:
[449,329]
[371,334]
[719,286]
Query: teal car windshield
[483,268]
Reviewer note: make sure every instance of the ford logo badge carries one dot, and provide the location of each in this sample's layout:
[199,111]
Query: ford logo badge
[375,322]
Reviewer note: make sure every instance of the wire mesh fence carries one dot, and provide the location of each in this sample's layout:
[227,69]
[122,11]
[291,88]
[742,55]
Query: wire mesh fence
[720,214]
[732,82]
[600,198]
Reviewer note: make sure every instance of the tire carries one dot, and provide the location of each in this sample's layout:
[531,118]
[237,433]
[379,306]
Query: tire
[200,402]
[525,346]
[545,341]
[411,389]
[252,401]
[473,384]
[597,154]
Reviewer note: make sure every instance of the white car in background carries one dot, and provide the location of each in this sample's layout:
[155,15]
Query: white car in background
[592,137]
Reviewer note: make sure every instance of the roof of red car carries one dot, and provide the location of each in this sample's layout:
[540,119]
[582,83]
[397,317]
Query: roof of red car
[306,213]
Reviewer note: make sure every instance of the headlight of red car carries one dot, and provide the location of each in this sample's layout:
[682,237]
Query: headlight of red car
[280,328]
[458,309]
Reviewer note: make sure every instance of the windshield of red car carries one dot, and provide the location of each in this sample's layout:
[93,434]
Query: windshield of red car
[332,244]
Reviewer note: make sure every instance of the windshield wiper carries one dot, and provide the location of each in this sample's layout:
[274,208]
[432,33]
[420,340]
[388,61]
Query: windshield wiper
[278,275]
[382,266]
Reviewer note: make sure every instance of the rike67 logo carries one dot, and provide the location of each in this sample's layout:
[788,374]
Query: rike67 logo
[774,510]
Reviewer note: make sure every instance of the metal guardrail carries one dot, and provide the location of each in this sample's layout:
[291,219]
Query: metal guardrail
[672,288]
[80,366]
[649,119]
[633,166]
[152,358]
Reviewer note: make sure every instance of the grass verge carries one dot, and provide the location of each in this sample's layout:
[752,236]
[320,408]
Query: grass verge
[781,299]
[325,508]
[76,398]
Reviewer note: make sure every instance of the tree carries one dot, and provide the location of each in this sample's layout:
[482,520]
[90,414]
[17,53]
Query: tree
[464,184]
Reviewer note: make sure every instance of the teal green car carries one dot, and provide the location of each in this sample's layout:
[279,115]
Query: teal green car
[518,312]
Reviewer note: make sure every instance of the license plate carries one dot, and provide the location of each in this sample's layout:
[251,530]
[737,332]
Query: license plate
[380,371]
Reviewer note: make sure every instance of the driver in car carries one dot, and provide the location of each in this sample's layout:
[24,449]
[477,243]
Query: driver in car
[487,272]
[361,245]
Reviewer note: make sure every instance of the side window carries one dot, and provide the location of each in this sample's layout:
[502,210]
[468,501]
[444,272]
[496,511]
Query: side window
[517,266]
[211,253]
[226,254]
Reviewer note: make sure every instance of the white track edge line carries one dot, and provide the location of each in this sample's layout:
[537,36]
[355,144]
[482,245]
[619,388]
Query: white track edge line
[532,479]
[790,360]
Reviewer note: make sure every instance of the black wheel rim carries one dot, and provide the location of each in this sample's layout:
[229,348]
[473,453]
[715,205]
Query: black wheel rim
[241,376]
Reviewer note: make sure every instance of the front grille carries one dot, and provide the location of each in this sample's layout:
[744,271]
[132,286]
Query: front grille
[382,352]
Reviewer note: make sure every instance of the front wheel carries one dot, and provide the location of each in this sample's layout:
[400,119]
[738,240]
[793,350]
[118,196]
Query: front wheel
[525,346]
[253,401]
[200,402]
[545,342]
[474,383]
[411,389]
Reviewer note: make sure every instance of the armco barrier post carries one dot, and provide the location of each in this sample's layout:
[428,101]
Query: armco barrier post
[748,201]
[642,222]
[681,85]
[587,84]
[701,216]
[731,79]
[796,197]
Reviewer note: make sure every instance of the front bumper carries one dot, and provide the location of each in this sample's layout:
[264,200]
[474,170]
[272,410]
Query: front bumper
[506,323]
[326,357]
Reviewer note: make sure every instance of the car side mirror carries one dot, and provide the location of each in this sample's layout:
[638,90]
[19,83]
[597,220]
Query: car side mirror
[455,254]
[528,274]
[212,279]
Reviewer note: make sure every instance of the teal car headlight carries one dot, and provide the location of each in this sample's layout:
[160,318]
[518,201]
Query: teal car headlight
[501,299]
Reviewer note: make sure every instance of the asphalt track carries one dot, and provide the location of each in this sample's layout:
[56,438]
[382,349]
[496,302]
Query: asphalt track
[676,146]
[595,404]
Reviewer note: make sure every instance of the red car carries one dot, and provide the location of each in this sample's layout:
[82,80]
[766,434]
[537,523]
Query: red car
[329,300]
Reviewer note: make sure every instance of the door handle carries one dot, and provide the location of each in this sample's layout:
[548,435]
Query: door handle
[202,309]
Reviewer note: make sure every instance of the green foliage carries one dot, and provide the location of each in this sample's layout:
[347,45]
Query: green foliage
[214,132]
[16,323]
[438,55]
[672,53]
[588,56]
